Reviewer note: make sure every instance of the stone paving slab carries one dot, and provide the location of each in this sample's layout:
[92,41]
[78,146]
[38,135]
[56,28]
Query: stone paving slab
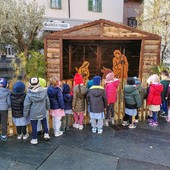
[126,164]
[64,158]
[23,151]
[130,149]
[11,165]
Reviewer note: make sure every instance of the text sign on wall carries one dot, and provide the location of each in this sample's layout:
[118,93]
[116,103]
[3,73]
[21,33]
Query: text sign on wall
[55,25]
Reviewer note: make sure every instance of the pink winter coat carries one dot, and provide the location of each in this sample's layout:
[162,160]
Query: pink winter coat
[111,91]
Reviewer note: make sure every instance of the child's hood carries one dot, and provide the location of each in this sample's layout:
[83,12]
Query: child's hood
[53,91]
[38,95]
[130,89]
[67,97]
[158,88]
[4,92]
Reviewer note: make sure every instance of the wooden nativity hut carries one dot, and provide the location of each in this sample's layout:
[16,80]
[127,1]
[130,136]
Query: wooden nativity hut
[95,42]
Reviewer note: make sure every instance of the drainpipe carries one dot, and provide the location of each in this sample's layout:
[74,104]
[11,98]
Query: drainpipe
[68,8]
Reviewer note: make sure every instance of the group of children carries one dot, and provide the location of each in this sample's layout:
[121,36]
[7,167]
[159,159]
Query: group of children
[32,105]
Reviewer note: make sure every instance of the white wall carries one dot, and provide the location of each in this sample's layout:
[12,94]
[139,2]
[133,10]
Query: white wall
[111,10]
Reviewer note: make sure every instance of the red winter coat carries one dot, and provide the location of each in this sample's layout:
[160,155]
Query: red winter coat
[154,95]
[111,91]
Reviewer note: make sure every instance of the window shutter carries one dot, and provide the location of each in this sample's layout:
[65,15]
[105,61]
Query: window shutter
[100,6]
[90,4]
[59,4]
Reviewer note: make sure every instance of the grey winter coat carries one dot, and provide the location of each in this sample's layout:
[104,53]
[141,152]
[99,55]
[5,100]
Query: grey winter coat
[36,103]
[5,101]
[79,95]
[132,97]
[96,98]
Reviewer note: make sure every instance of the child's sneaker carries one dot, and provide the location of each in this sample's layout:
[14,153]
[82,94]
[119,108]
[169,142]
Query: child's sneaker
[150,120]
[67,128]
[106,122]
[136,120]
[34,141]
[25,136]
[80,127]
[46,136]
[94,130]
[100,131]
[153,124]
[3,138]
[125,123]
[112,120]
[131,126]
[168,119]
[58,133]
[76,125]
[19,136]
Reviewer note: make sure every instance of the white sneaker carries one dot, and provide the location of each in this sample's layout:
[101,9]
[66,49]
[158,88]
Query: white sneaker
[19,136]
[136,121]
[26,136]
[76,125]
[46,136]
[106,122]
[58,133]
[112,121]
[132,126]
[80,127]
[100,131]
[125,123]
[34,141]
[94,130]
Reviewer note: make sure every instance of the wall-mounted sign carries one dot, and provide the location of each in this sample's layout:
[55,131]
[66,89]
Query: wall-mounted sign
[55,25]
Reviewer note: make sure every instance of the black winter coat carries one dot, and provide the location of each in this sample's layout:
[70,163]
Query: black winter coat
[17,104]
[96,98]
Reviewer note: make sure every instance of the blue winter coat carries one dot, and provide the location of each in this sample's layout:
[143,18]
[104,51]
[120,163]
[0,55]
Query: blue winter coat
[56,97]
[67,97]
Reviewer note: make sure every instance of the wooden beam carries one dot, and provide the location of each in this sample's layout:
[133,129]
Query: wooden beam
[70,59]
[141,59]
[61,59]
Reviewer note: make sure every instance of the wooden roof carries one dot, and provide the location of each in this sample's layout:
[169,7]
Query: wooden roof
[101,29]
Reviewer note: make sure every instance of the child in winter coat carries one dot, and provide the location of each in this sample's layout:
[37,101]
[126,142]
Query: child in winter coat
[56,104]
[43,84]
[153,100]
[168,101]
[4,106]
[111,94]
[165,82]
[132,102]
[96,98]
[142,92]
[35,105]
[78,104]
[17,104]
[68,98]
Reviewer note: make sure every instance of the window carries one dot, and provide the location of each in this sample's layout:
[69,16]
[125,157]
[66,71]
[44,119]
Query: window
[95,5]
[132,22]
[56,4]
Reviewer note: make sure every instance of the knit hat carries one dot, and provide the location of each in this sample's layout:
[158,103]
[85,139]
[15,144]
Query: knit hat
[130,81]
[34,83]
[96,80]
[42,82]
[109,77]
[66,88]
[18,87]
[3,82]
[78,79]
[137,80]
[89,84]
